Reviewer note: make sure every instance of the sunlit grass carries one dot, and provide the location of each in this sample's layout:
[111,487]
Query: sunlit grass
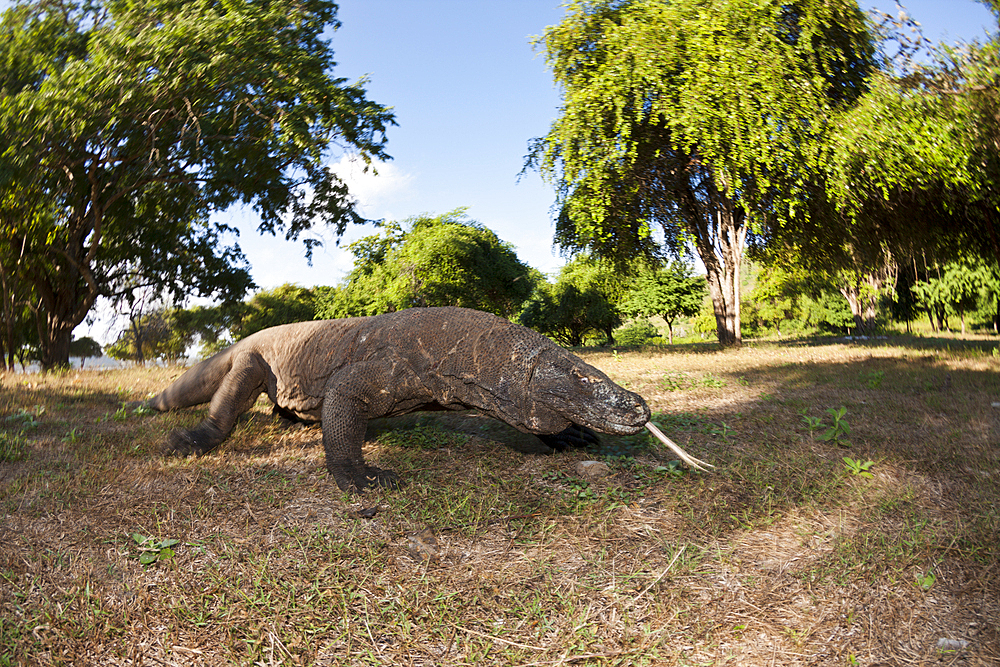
[784,551]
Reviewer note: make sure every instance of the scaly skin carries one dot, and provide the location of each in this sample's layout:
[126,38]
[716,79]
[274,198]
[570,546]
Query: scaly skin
[346,372]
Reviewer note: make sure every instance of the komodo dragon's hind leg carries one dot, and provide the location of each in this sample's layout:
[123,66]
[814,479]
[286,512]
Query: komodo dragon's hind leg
[246,379]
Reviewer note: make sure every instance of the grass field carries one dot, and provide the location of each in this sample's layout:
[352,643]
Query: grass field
[786,554]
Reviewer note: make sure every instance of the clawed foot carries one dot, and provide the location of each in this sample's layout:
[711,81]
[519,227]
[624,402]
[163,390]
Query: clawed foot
[357,478]
[182,442]
[573,436]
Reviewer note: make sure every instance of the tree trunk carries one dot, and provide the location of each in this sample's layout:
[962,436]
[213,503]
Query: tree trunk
[720,238]
[137,338]
[55,343]
[861,291]
[942,321]
[610,334]
[65,297]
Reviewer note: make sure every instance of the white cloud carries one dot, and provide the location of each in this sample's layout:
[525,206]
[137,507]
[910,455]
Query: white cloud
[378,189]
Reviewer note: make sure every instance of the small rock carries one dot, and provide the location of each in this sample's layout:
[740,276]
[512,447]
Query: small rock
[945,644]
[592,469]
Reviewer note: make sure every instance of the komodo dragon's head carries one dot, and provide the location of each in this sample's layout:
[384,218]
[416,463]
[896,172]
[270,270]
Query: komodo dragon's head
[563,389]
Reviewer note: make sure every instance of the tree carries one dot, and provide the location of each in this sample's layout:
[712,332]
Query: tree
[268,308]
[579,302]
[700,117]
[84,348]
[914,166]
[447,260]
[957,290]
[773,299]
[15,309]
[152,336]
[670,292]
[127,124]
[209,324]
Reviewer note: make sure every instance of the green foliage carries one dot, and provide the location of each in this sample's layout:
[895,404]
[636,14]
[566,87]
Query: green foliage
[127,124]
[704,118]
[916,163]
[153,336]
[640,332]
[926,581]
[840,427]
[873,380]
[787,299]
[957,290]
[152,550]
[84,348]
[268,308]
[447,260]
[209,324]
[580,302]
[812,423]
[671,292]
[219,326]
[856,467]
[774,302]
[834,433]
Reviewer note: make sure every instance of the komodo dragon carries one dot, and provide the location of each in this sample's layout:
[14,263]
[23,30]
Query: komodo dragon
[345,372]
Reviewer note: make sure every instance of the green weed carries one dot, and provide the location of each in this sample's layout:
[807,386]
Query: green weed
[836,432]
[25,418]
[873,379]
[856,467]
[152,550]
[13,447]
[926,581]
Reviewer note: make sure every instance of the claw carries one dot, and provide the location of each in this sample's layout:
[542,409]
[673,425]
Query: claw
[684,456]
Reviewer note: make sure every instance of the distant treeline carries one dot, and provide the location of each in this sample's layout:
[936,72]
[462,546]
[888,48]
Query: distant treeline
[450,260]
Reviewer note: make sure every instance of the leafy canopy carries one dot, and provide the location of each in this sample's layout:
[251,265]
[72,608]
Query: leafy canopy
[446,260]
[739,90]
[671,292]
[128,122]
[581,301]
[695,122]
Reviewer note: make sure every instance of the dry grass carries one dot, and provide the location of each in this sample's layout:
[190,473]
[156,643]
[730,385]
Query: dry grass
[781,557]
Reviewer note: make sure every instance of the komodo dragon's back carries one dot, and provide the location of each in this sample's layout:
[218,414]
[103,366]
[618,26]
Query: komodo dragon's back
[345,372]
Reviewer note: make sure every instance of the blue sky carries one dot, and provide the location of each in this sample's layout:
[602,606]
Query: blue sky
[469,91]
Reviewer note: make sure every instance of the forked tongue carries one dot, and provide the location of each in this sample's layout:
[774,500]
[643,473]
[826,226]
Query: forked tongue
[684,456]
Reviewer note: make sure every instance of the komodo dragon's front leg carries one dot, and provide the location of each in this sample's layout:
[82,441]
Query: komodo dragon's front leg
[247,377]
[355,394]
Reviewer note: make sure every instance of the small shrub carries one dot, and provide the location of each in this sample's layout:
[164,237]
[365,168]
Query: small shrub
[638,333]
[839,429]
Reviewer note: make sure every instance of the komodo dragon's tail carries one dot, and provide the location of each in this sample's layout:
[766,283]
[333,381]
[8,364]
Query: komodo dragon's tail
[196,386]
